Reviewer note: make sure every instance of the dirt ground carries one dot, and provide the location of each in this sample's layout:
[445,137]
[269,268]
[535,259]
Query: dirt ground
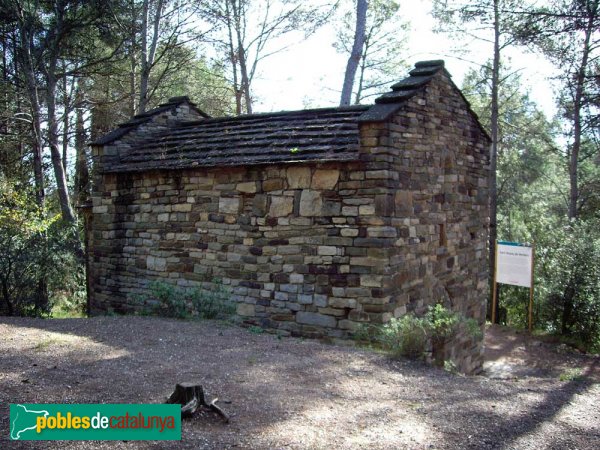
[301,394]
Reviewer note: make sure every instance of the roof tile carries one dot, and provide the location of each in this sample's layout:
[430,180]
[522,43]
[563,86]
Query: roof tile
[329,134]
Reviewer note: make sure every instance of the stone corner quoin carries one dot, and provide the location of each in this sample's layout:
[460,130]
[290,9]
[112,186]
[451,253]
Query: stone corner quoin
[315,221]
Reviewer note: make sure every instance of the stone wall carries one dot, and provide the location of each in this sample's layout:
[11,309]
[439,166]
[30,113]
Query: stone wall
[300,246]
[436,157]
[314,249]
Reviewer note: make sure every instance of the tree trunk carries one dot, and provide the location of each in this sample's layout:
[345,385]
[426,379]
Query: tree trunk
[148,51]
[144,71]
[26,62]
[438,351]
[9,307]
[59,170]
[82,176]
[245,80]
[241,57]
[354,59]
[577,126]
[494,152]
[37,144]
[567,312]
[65,131]
[233,58]
[132,63]
[132,84]
[361,75]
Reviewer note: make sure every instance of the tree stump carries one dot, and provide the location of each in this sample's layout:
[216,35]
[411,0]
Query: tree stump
[191,397]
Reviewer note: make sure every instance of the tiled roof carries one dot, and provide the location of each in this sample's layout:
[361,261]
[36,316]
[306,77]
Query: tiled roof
[140,119]
[328,134]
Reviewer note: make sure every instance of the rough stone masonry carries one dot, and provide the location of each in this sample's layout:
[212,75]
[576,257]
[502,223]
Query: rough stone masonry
[315,220]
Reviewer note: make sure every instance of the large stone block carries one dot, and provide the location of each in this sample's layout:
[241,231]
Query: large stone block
[340,302]
[281,206]
[247,187]
[325,179]
[316,319]
[155,263]
[246,309]
[371,280]
[327,250]
[349,232]
[305,299]
[382,232]
[310,203]
[259,205]
[348,325]
[298,177]
[229,205]
[273,184]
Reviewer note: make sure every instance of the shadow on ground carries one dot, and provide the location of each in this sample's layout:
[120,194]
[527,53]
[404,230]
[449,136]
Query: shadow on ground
[283,393]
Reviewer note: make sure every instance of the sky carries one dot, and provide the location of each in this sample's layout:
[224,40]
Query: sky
[310,73]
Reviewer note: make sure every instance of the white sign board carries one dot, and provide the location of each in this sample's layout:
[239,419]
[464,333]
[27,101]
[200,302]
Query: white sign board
[513,264]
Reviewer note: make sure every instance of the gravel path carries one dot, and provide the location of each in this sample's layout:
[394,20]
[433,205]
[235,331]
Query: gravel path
[289,393]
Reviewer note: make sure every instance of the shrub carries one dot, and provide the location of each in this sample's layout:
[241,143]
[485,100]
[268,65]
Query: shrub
[406,336]
[170,301]
[441,322]
[367,333]
[167,300]
[214,303]
[38,261]
[571,284]
[410,335]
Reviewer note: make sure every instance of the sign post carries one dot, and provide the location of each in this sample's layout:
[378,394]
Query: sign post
[514,266]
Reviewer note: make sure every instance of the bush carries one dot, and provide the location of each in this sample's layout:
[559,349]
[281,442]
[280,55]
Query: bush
[214,303]
[571,284]
[407,336]
[38,264]
[167,300]
[410,335]
[441,322]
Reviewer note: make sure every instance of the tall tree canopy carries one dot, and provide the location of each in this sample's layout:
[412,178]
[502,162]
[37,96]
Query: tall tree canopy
[568,32]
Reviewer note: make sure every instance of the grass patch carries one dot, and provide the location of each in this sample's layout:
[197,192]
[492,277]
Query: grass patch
[44,344]
[69,306]
[167,300]
[67,314]
[574,374]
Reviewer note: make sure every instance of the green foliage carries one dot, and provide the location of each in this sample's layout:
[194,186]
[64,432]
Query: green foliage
[407,336]
[213,303]
[472,327]
[171,300]
[571,274]
[410,335]
[68,307]
[204,83]
[567,283]
[450,366]
[366,333]
[37,261]
[573,374]
[441,322]
[256,329]
[167,300]
[533,191]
